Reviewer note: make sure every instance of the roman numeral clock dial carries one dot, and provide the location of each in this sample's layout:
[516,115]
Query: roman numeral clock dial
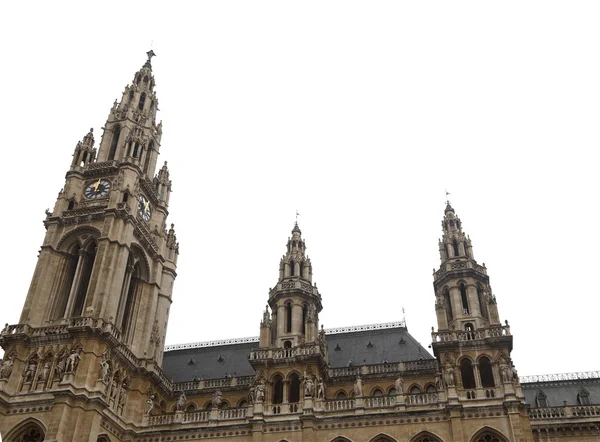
[144,209]
[97,189]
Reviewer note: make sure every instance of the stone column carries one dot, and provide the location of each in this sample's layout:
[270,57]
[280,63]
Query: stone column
[296,319]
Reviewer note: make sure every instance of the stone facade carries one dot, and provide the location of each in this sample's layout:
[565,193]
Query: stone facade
[87,361]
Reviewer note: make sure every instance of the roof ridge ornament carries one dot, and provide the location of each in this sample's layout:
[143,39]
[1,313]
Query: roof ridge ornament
[150,54]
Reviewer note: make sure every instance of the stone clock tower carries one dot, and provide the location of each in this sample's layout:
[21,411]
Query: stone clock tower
[97,308]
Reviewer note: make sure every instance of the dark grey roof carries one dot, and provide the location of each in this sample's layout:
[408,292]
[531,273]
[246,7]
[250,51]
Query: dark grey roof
[557,392]
[369,346]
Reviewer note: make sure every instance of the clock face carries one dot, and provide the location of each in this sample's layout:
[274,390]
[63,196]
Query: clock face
[97,189]
[144,209]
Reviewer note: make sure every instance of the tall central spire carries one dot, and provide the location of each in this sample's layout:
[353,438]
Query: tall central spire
[295,263]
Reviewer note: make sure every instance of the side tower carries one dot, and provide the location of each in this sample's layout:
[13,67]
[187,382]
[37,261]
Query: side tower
[292,357]
[471,344]
[101,291]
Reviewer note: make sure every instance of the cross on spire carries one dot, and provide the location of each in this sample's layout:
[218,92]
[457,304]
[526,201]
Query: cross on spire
[150,54]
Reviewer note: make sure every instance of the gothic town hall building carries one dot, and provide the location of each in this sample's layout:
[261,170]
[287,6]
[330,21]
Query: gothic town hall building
[87,362]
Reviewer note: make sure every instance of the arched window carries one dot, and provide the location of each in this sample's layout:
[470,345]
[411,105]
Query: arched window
[301,270]
[430,389]
[294,393]
[190,408]
[425,436]
[463,297]
[466,373]
[81,283]
[145,79]
[208,405]
[142,101]
[486,373]
[415,389]
[377,392]
[277,390]
[488,435]
[392,392]
[455,247]
[243,403]
[31,432]
[132,286]
[288,317]
[130,96]
[292,268]
[341,395]
[138,77]
[114,143]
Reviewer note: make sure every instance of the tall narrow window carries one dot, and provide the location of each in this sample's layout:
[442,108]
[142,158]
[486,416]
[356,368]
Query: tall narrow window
[485,371]
[130,98]
[277,390]
[84,279]
[294,393]
[67,282]
[482,304]
[449,314]
[148,154]
[136,148]
[288,325]
[142,101]
[455,246]
[129,145]
[541,399]
[301,270]
[292,267]
[463,297]
[114,143]
[304,315]
[466,373]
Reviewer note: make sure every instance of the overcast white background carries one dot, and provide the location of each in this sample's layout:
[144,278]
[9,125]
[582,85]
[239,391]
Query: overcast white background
[358,115]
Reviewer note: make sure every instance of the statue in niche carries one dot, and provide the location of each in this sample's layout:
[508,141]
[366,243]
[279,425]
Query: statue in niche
[61,365]
[6,367]
[439,385]
[149,405]
[508,374]
[181,400]
[252,395]
[45,372]
[30,371]
[73,362]
[449,375]
[104,369]
[260,393]
[123,394]
[217,399]
[321,389]
[309,385]
[399,384]
[358,384]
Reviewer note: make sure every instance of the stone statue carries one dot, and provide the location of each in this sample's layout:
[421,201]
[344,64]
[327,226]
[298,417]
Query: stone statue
[515,375]
[252,395]
[309,386]
[149,405]
[30,371]
[113,390]
[507,373]
[60,366]
[399,384]
[104,369]
[217,399]
[5,329]
[73,362]
[439,385]
[358,384]
[449,375]
[260,393]
[181,400]
[321,389]
[45,372]
[123,394]
[6,367]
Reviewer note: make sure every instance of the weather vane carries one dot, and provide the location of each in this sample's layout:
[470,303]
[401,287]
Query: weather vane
[150,54]
[447,194]
[297,215]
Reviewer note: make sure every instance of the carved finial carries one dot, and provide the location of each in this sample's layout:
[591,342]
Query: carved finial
[150,54]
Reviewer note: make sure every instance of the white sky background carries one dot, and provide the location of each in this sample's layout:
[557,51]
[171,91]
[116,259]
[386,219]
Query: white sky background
[359,115]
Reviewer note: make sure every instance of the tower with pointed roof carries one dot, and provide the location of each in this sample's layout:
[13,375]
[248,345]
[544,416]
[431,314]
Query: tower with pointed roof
[97,308]
[471,344]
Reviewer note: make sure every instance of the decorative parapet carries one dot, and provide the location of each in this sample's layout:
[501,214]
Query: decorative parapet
[253,339]
[405,368]
[287,353]
[568,412]
[560,377]
[470,335]
[459,265]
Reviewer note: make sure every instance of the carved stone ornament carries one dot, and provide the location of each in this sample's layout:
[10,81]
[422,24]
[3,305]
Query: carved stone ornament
[6,367]
[358,384]
[104,368]
[321,389]
[72,362]
[217,399]
[260,393]
[399,384]
[149,405]
[181,401]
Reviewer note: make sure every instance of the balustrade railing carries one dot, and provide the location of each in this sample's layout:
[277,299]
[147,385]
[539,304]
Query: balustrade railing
[161,419]
[421,399]
[196,416]
[233,413]
[379,401]
[216,383]
[547,413]
[423,364]
[382,368]
[586,410]
[471,335]
[341,404]
[344,371]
